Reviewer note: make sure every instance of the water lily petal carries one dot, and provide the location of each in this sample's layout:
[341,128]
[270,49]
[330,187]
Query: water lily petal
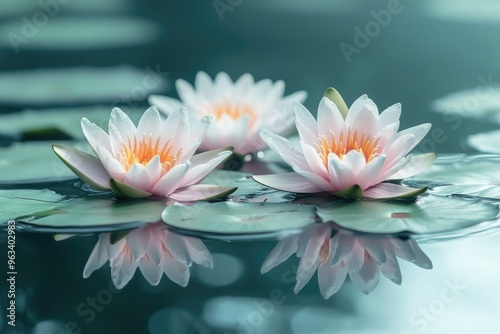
[291,182]
[367,278]
[330,279]
[150,124]
[314,161]
[285,149]
[112,166]
[368,175]
[198,253]
[171,180]
[87,167]
[166,105]
[95,135]
[341,175]
[122,123]
[390,190]
[126,191]
[138,242]
[153,169]
[283,250]
[151,271]
[329,118]
[200,192]
[419,131]
[96,259]
[202,165]
[417,164]
[306,124]
[137,177]
[390,115]
[176,271]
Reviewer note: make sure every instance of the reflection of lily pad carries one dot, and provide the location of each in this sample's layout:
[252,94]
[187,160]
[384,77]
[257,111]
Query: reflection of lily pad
[120,85]
[78,213]
[67,121]
[238,218]
[24,202]
[33,162]
[429,214]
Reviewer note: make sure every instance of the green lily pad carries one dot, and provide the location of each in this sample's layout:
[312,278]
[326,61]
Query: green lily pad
[34,162]
[17,203]
[54,122]
[238,218]
[461,169]
[429,214]
[98,212]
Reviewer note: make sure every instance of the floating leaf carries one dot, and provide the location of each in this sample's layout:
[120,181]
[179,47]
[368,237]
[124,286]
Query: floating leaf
[99,212]
[34,162]
[238,218]
[429,214]
[24,202]
[49,123]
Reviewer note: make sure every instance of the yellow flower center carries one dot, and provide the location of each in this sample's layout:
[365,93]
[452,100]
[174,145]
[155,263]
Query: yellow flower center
[342,145]
[143,150]
[233,111]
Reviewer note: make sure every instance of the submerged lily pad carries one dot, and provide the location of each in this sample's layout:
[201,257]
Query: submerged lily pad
[33,162]
[99,212]
[81,33]
[24,202]
[66,121]
[429,214]
[121,85]
[238,218]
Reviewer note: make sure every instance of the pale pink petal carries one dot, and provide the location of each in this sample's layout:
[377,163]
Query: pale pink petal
[171,180]
[419,132]
[390,190]
[367,278]
[96,259]
[397,150]
[369,173]
[137,177]
[116,250]
[341,176]
[197,134]
[305,274]
[291,182]
[176,271]
[365,118]
[291,155]
[123,270]
[222,81]
[310,260]
[317,181]
[417,164]
[373,246]
[95,135]
[89,168]
[200,192]
[390,115]
[149,125]
[176,130]
[203,84]
[117,142]
[299,97]
[177,248]
[151,271]
[122,123]
[185,91]
[198,253]
[314,161]
[421,259]
[113,167]
[390,268]
[138,241]
[199,171]
[330,279]
[341,246]
[306,124]
[329,118]
[355,161]
[244,83]
[166,105]
[283,250]
[154,168]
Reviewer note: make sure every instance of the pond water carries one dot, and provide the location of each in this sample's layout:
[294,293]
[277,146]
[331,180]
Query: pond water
[258,260]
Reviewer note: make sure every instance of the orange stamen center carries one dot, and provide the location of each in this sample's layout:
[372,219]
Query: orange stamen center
[324,251]
[233,111]
[345,143]
[143,150]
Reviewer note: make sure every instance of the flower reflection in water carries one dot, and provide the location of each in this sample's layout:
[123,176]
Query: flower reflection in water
[336,253]
[154,250]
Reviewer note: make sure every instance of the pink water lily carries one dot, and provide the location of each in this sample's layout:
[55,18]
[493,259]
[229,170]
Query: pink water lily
[239,109]
[349,153]
[335,257]
[154,250]
[156,158]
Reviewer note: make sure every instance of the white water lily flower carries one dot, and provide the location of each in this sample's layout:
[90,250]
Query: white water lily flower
[349,153]
[154,250]
[335,257]
[239,109]
[156,158]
